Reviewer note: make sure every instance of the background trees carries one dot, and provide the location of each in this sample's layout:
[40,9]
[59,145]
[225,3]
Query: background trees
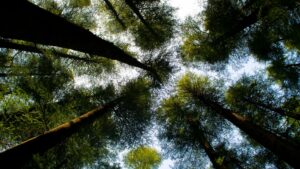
[142,157]
[47,47]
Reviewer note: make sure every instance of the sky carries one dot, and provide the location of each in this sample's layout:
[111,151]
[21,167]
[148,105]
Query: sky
[187,8]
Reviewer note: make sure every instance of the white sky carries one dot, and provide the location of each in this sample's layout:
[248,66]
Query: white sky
[186,7]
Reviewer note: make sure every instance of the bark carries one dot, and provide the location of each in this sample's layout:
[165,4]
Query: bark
[133,7]
[17,156]
[285,149]
[209,150]
[274,109]
[114,13]
[34,49]
[25,21]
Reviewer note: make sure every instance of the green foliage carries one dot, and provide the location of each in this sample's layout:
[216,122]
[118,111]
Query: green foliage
[80,3]
[133,114]
[142,157]
[157,14]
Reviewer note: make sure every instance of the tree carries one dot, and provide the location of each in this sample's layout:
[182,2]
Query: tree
[48,29]
[265,28]
[151,23]
[137,117]
[114,13]
[201,90]
[183,127]
[255,93]
[142,157]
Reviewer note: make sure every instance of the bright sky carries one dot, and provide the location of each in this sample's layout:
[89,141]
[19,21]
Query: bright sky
[184,8]
[187,8]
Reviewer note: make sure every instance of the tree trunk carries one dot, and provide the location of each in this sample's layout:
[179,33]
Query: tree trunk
[114,13]
[34,49]
[5,75]
[133,7]
[17,156]
[211,153]
[274,109]
[285,149]
[23,20]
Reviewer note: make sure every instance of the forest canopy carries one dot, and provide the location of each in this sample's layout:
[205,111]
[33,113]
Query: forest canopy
[83,81]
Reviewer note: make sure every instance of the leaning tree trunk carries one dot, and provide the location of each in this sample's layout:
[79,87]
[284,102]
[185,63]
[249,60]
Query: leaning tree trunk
[211,153]
[114,13]
[17,156]
[285,149]
[23,20]
[133,7]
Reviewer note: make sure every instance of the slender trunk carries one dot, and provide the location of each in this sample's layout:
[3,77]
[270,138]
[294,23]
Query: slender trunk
[17,156]
[133,7]
[34,49]
[28,74]
[25,21]
[285,149]
[277,110]
[211,153]
[114,13]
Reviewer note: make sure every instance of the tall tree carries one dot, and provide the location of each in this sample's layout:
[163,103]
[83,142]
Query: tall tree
[201,90]
[31,23]
[183,126]
[133,119]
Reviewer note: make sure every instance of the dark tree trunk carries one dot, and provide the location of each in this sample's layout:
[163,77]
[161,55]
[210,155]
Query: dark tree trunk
[34,49]
[274,109]
[209,150]
[23,20]
[17,156]
[133,7]
[114,13]
[285,149]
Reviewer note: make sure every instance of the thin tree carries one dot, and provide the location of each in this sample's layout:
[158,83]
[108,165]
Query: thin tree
[34,49]
[134,8]
[114,13]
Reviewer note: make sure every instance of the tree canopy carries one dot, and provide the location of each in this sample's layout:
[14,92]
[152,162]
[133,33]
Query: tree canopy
[83,81]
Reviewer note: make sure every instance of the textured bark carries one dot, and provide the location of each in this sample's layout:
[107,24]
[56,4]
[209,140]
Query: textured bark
[114,13]
[274,109]
[17,156]
[133,7]
[23,20]
[285,149]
